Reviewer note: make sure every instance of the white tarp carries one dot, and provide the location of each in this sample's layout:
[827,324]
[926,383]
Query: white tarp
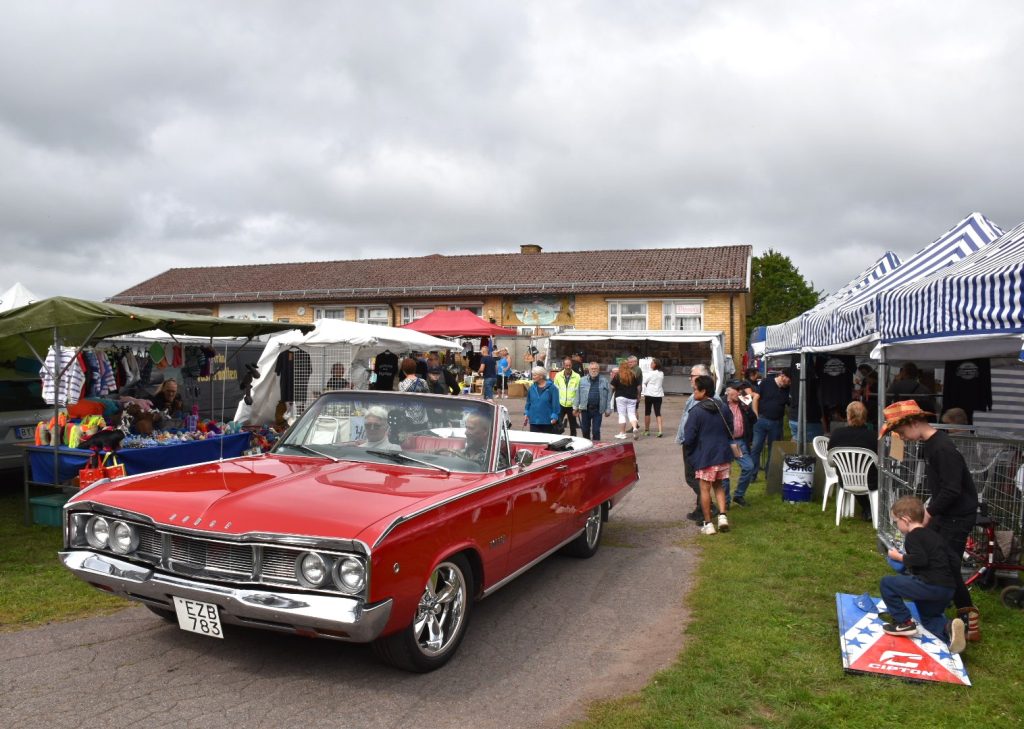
[368,338]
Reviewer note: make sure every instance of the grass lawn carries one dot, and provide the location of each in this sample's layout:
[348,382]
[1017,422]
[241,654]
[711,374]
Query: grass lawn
[763,647]
[34,587]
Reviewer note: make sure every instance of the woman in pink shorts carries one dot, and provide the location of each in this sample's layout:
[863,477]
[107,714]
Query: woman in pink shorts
[706,438]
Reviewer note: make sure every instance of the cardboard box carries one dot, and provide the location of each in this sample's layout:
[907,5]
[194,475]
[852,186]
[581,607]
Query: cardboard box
[517,389]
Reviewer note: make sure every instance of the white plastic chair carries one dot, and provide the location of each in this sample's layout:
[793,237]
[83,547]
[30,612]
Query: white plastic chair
[820,444]
[853,465]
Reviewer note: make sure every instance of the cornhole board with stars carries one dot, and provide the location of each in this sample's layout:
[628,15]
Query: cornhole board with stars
[866,649]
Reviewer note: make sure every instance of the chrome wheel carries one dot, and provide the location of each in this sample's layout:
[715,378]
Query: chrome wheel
[442,609]
[593,532]
[586,544]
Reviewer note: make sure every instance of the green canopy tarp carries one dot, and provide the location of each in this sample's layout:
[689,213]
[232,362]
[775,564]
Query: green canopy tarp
[78,322]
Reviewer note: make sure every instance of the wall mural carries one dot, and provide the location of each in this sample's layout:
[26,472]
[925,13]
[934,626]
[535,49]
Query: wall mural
[540,311]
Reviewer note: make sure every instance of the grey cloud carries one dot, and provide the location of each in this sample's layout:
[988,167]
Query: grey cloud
[185,133]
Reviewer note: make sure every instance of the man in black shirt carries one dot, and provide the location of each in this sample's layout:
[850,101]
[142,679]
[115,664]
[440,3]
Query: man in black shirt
[774,396]
[953,505]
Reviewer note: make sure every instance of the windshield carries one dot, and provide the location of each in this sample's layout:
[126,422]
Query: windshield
[437,432]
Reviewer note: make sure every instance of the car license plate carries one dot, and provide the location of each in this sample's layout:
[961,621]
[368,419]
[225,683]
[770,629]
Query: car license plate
[25,432]
[198,617]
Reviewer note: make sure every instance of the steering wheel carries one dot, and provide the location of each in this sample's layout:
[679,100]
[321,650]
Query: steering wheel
[451,452]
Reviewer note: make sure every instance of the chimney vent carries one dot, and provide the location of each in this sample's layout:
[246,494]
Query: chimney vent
[529,248]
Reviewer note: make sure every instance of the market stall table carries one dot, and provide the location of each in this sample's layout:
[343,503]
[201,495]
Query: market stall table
[39,459]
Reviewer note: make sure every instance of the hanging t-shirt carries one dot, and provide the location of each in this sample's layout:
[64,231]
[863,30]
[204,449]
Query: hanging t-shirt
[284,368]
[385,366]
[967,384]
[835,380]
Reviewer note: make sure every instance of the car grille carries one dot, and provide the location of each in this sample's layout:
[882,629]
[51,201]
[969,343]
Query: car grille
[228,561]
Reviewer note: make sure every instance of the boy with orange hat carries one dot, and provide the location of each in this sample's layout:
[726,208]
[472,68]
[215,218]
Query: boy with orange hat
[952,509]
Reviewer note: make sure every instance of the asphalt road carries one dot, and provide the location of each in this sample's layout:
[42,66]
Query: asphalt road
[536,654]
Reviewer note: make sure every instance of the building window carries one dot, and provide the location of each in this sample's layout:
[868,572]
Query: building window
[333,312]
[627,315]
[372,315]
[686,316]
[412,313]
[478,310]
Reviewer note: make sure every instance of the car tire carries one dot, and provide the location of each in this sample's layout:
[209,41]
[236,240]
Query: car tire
[439,624]
[586,544]
[168,615]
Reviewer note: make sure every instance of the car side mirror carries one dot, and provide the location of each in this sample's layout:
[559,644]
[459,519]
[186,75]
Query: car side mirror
[524,458]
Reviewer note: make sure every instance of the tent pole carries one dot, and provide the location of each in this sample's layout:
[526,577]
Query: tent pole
[56,441]
[882,378]
[802,414]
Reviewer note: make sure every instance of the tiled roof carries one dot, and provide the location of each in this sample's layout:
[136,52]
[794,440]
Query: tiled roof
[682,270]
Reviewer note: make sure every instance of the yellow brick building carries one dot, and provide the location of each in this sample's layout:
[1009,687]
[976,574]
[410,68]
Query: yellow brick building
[690,289]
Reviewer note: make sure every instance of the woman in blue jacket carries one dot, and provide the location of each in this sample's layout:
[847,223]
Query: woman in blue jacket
[706,439]
[542,406]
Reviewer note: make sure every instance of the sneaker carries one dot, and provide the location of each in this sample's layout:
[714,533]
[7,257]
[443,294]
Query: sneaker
[739,501]
[723,523]
[696,515]
[971,619]
[907,627]
[660,434]
[620,436]
[957,639]
[708,528]
[646,433]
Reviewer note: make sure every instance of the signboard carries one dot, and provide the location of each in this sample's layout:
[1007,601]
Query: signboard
[867,649]
[540,311]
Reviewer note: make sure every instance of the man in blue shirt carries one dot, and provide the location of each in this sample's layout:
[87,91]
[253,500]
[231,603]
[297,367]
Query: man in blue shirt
[774,397]
[489,371]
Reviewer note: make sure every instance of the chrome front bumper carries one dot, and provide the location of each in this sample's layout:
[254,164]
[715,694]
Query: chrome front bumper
[341,617]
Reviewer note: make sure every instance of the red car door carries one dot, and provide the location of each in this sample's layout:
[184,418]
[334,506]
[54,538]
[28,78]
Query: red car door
[539,512]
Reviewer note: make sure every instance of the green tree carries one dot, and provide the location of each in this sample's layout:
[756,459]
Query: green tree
[778,290]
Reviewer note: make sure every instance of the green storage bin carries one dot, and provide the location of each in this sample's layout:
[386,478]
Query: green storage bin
[48,510]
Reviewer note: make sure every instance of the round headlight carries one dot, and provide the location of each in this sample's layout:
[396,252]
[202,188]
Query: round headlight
[350,575]
[97,532]
[123,537]
[312,569]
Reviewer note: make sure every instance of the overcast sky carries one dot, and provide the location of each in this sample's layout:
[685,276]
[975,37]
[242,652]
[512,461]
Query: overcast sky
[139,136]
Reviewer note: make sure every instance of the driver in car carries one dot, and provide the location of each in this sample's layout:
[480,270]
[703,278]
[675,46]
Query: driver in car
[375,420]
[477,436]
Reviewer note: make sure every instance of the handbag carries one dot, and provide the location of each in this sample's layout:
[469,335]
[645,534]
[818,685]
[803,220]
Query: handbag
[737,452]
[97,468]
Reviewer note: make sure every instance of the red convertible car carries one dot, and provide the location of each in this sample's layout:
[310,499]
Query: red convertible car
[378,517]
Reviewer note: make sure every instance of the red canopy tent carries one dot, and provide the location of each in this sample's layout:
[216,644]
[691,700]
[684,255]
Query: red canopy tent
[460,323]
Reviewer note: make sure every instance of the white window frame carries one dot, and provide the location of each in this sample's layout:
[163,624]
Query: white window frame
[363,314]
[616,317]
[328,312]
[412,312]
[688,312]
[477,307]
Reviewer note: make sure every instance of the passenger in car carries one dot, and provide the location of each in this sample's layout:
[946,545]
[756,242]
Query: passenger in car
[376,423]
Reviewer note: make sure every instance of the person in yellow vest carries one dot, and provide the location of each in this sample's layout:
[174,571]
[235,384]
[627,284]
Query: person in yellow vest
[568,383]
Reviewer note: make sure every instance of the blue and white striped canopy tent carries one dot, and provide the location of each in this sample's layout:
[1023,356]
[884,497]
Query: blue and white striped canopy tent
[974,308]
[786,338]
[852,323]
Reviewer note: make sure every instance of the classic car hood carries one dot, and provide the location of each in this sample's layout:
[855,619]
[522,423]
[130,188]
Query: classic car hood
[278,494]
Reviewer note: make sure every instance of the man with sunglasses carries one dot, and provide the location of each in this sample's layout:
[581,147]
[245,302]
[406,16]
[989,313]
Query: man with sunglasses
[375,421]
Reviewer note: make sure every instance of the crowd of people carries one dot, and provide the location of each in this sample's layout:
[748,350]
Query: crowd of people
[741,425]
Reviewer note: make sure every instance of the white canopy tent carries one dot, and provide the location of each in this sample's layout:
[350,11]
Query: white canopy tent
[714,340]
[16,296]
[365,341]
